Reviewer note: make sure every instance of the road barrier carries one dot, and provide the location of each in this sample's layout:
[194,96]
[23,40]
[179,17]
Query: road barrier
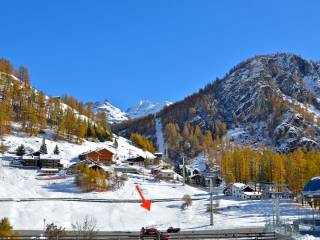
[165,236]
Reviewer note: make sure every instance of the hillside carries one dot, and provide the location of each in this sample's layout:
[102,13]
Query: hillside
[269,100]
[28,115]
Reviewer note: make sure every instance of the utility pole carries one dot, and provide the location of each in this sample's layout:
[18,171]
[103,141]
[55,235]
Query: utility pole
[312,205]
[211,202]
[183,170]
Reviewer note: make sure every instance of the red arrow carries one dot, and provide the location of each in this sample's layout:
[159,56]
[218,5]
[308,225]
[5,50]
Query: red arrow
[145,203]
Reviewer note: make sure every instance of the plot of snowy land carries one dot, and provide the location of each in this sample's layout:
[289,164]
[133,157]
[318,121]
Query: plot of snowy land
[232,213]
[18,183]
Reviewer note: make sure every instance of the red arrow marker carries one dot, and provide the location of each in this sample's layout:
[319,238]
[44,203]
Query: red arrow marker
[145,203]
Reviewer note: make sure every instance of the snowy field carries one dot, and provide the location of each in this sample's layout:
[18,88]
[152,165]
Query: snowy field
[20,183]
[232,213]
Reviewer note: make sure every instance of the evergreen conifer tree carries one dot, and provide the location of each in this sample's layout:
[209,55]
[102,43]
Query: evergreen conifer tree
[56,150]
[20,151]
[43,148]
[115,143]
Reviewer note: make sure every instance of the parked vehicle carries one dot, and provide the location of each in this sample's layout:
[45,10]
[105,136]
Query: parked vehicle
[153,232]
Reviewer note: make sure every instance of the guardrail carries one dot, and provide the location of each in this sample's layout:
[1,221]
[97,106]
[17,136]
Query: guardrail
[165,236]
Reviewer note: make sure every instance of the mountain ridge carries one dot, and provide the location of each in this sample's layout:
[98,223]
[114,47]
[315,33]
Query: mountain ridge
[142,108]
[274,98]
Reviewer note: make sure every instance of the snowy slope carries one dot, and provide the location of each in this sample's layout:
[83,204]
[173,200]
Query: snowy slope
[114,114]
[70,151]
[145,107]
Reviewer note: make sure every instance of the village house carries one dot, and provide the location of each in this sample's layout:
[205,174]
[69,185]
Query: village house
[137,161]
[126,169]
[163,171]
[166,174]
[158,154]
[105,169]
[40,162]
[101,155]
[241,190]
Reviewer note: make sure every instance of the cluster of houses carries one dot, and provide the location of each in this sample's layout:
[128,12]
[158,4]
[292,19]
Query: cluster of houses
[100,158]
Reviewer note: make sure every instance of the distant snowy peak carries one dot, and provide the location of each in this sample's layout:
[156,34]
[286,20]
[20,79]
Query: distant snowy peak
[145,107]
[114,114]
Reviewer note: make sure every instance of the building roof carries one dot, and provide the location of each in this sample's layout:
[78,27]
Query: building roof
[44,157]
[97,151]
[252,193]
[136,159]
[104,168]
[166,170]
[239,185]
[313,185]
[49,170]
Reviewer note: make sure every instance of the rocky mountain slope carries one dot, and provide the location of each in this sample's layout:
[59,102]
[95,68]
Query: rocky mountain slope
[274,100]
[114,114]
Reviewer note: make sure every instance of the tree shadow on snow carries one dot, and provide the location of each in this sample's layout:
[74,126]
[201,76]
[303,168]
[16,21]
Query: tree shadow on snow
[63,187]
[174,206]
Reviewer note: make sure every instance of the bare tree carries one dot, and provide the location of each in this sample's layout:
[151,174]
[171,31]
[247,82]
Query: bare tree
[187,201]
[85,229]
[53,232]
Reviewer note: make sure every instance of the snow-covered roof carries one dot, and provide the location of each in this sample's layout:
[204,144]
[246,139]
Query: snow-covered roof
[103,167]
[239,185]
[313,185]
[49,170]
[166,170]
[98,150]
[252,193]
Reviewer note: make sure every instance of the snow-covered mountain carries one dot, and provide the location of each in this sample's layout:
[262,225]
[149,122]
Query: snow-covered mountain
[145,107]
[271,100]
[141,109]
[114,114]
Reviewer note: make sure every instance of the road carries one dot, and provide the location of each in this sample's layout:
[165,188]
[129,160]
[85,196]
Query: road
[243,233]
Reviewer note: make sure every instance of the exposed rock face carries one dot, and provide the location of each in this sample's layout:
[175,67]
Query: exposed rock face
[274,99]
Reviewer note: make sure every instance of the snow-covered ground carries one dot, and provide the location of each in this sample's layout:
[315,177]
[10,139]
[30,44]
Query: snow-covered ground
[232,213]
[69,151]
[21,183]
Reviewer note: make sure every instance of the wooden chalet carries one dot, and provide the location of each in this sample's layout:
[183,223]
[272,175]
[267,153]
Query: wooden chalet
[139,161]
[101,155]
[40,162]
[105,169]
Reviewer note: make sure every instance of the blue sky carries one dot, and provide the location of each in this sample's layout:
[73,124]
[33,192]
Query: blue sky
[125,51]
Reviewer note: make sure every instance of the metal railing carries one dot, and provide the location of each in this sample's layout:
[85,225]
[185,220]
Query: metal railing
[163,236]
